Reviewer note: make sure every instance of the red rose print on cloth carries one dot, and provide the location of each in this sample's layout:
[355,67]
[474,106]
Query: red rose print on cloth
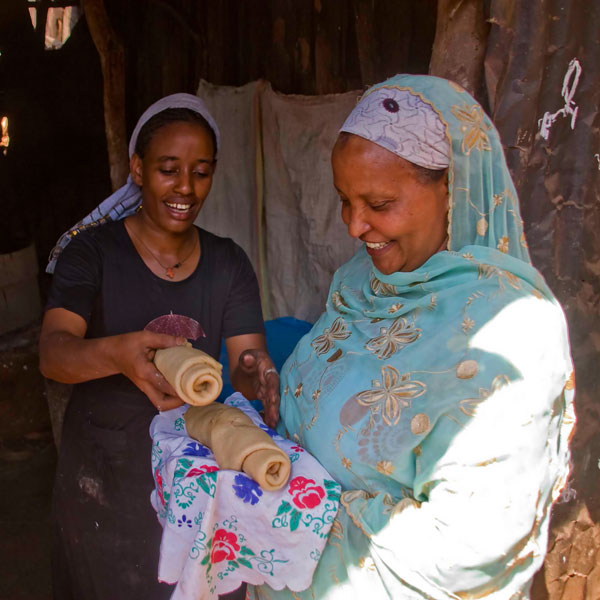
[224,546]
[159,486]
[201,470]
[306,494]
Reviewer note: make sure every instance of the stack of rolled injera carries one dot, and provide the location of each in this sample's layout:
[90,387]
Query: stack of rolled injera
[193,374]
[238,444]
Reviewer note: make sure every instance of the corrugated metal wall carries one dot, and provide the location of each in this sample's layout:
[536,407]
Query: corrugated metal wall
[542,67]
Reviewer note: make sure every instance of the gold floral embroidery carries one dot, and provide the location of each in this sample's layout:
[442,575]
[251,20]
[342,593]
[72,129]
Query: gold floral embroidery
[469,405]
[489,271]
[286,390]
[388,504]
[523,241]
[456,87]
[316,395]
[570,385]
[325,342]
[503,244]
[385,467]
[337,530]
[391,394]
[395,307]
[346,463]
[432,302]
[473,127]
[468,256]
[338,300]
[419,424]
[467,324]
[497,199]
[392,339]
[335,355]
[482,226]
[467,369]
[298,390]
[404,504]
[382,289]
[366,562]
[352,495]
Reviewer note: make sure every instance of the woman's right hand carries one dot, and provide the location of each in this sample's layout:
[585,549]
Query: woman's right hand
[66,355]
[134,355]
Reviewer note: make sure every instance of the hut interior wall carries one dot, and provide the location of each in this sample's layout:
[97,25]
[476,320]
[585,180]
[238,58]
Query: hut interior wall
[59,167]
[300,46]
[530,72]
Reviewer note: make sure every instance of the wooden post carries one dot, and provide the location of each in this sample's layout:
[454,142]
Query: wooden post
[112,61]
[460,43]
[330,31]
[41,20]
[366,40]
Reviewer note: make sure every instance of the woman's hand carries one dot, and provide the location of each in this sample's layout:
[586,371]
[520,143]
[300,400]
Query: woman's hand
[253,372]
[134,359]
[264,378]
[67,356]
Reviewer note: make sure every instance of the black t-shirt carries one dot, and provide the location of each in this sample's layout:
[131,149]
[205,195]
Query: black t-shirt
[101,277]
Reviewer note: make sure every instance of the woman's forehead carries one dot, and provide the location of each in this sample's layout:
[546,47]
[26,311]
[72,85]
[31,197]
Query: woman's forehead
[178,134]
[354,148]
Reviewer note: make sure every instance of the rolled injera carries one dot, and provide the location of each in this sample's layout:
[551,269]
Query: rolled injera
[238,444]
[195,376]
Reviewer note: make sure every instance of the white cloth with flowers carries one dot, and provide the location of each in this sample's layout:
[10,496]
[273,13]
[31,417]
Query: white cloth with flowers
[221,529]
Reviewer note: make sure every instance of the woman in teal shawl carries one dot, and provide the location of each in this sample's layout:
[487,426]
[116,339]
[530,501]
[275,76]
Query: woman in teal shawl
[437,387]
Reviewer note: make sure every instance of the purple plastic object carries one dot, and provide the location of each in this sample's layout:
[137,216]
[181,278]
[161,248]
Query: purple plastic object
[178,325]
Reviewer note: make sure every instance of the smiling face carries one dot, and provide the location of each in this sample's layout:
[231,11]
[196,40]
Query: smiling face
[175,175]
[401,217]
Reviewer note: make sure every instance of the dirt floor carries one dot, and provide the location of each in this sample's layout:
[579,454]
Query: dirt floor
[27,464]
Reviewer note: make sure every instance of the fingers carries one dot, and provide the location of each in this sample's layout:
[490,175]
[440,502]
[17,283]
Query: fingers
[155,386]
[162,401]
[170,402]
[269,395]
[248,361]
[162,340]
[161,384]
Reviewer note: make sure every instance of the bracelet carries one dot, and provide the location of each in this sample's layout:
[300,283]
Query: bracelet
[271,370]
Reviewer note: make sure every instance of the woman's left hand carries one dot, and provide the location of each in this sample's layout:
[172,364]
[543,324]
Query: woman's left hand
[264,378]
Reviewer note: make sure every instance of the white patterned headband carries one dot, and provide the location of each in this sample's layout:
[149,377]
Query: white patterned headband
[402,123]
[181,100]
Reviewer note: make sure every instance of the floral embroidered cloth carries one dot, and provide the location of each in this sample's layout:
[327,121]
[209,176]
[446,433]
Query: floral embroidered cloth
[221,528]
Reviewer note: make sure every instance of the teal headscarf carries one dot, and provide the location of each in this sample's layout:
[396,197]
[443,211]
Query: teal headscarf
[441,398]
[435,123]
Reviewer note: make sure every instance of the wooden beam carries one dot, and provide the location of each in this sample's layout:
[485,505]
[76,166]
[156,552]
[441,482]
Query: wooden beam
[366,40]
[41,18]
[112,61]
[460,43]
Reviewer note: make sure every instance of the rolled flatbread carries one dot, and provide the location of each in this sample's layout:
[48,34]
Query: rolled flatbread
[238,444]
[195,376]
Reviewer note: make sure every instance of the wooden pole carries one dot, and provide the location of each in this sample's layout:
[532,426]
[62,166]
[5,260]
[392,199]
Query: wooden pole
[41,20]
[460,42]
[366,40]
[112,61]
